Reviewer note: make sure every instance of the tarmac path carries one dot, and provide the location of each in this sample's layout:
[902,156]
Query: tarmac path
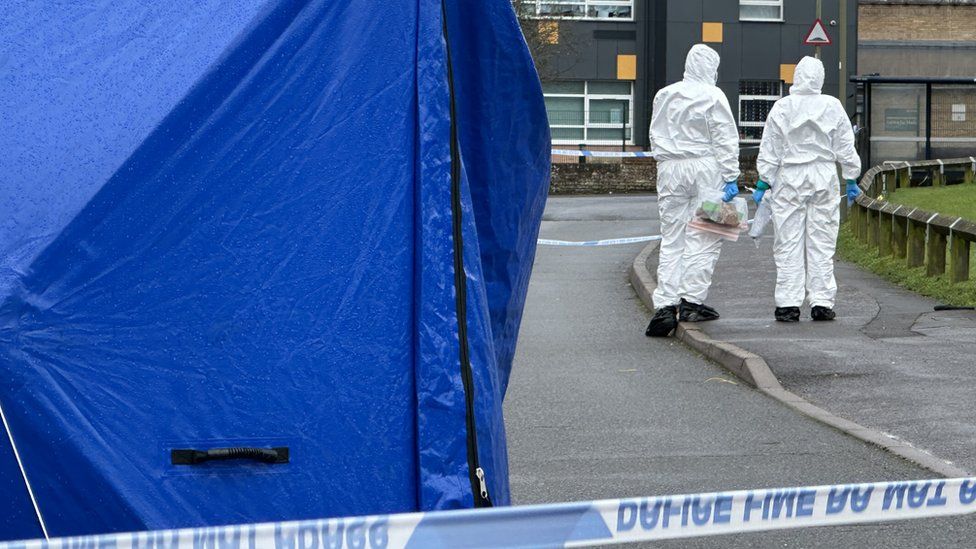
[889,362]
[597,410]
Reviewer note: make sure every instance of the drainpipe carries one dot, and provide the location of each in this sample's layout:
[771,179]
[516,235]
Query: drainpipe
[842,43]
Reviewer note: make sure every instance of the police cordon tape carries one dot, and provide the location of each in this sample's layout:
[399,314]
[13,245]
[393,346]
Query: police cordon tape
[582,524]
[608,242]
[624,154]
[602,154]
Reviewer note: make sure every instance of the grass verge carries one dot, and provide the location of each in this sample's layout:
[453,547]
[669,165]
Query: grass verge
[896,271]
[956,200]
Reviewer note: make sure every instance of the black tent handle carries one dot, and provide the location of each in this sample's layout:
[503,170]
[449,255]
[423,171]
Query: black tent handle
[196,457]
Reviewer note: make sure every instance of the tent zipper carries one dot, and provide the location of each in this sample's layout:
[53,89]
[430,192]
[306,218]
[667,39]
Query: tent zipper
[479,486]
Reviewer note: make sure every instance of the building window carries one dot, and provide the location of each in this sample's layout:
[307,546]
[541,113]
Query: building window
[577,9]
[756,99]
[591,112]
[761,10]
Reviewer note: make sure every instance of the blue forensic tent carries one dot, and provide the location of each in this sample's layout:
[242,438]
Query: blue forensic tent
[300,224]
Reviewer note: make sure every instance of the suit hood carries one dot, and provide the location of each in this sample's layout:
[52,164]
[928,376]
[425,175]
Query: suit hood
[701,65]
[808,78]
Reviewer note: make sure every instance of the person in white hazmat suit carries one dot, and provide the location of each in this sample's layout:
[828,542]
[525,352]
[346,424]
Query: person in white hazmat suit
[696,144]
[807,135]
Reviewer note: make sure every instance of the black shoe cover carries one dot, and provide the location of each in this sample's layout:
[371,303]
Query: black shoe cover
[822,313]
[664,321]
[693,312]
[788,314]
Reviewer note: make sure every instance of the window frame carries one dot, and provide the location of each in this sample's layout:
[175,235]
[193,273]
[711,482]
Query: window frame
[763,3]
[586,5]
[586,96]
[754,123]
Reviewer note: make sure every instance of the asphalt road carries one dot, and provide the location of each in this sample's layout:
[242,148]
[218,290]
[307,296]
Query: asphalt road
[597,410]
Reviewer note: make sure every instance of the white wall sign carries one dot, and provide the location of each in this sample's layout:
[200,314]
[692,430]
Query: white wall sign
[959,112]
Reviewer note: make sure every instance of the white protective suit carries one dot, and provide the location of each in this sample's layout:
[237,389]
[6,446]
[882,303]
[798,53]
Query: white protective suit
[807,134]
[696,144]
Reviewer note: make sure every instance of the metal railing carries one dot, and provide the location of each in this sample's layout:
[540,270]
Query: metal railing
[921,238]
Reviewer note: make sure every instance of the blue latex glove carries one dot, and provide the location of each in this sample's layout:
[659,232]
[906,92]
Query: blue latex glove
[731,190]
[761,188]
[852,191]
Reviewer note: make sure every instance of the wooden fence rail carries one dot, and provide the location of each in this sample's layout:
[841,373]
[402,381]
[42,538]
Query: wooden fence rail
[919,237]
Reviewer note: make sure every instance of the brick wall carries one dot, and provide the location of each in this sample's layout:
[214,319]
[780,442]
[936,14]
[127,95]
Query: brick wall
[629,176]
[632,175]
[916,22]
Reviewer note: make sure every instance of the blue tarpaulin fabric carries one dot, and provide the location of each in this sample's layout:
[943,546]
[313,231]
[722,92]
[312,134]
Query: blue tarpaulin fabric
[235,224]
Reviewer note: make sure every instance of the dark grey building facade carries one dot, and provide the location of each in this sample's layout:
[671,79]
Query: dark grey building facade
[614,55]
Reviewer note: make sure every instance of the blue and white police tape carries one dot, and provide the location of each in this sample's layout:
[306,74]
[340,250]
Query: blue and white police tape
[589,243]
[581,524]
[601,154]
[607,242]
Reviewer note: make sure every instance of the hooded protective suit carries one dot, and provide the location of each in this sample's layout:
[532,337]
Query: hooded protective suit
[696,144]
[807,134]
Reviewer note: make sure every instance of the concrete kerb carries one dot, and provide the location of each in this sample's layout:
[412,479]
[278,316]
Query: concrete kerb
[753,370]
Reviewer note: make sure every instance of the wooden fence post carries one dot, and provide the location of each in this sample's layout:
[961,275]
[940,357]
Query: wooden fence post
[863,223]
[959,259]
[905,178]
[935,263]
[899,237]
[916,243]
[885,234]
[874,217]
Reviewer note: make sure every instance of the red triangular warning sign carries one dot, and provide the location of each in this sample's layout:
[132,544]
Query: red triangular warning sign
[818,35]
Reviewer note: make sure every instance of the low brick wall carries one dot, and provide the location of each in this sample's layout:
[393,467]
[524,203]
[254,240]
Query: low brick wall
[631,175]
